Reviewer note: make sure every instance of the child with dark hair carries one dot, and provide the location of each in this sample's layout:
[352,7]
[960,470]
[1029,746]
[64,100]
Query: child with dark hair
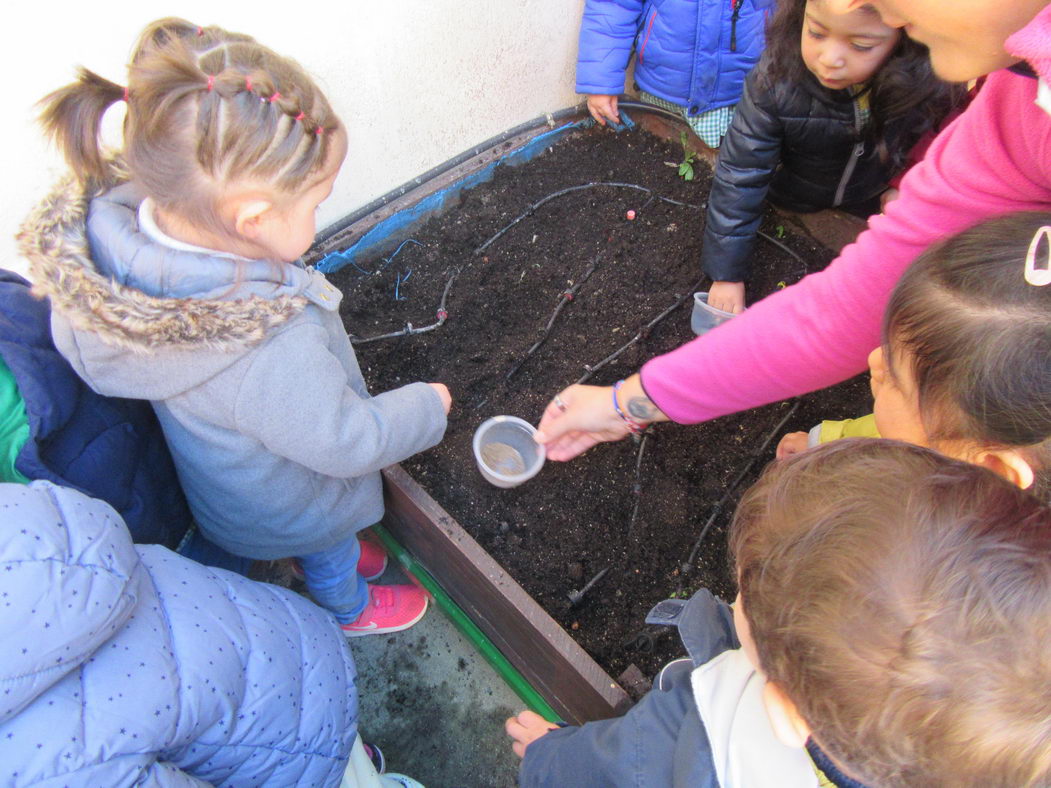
[891,630]
[827,119]
[965,365]
[174,276]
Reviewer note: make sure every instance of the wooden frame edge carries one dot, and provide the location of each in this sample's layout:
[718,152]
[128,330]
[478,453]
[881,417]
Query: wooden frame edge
[538,647]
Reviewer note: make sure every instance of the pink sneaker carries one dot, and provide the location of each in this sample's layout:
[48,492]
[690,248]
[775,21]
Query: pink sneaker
[371,563]
[373,560]
[390,609]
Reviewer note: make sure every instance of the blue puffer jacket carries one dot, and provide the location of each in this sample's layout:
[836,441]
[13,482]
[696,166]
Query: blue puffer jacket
[107,447]
[133,666]
[695,53]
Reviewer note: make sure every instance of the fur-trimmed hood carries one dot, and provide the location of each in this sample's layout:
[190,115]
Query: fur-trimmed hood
[121,295]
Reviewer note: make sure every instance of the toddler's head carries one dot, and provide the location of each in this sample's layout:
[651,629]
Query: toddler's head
[235,144]
[965,365]
[899,603]
[844,49]
[816,44]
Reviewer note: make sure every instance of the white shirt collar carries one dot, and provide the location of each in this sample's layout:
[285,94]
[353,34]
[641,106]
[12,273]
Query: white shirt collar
[148,225]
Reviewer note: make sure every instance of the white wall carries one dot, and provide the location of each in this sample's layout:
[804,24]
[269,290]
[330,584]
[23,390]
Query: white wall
[415,81]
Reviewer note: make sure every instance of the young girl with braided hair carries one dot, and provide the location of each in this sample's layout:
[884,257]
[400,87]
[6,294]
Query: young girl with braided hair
[965,362]
[174,276]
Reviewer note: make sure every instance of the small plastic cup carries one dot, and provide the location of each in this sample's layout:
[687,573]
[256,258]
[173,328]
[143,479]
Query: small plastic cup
[505,451]
[705,317]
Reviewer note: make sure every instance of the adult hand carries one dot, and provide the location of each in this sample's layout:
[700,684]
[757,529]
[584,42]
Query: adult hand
[525,728]
[792,443]
[603,108]
[581,416]
[443,393]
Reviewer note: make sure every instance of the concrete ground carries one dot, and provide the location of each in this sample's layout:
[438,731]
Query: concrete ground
[435,706]
[429,700]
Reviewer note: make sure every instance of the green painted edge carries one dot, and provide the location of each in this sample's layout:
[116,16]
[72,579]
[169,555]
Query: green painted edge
[513,678]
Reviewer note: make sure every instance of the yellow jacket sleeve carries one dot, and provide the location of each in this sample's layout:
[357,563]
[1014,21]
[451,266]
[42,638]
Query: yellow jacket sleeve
[865,427]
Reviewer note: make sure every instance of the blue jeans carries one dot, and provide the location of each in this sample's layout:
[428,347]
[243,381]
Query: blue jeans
[332,579]
[197,547]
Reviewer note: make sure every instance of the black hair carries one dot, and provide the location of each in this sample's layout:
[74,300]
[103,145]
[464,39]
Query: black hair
[905,97]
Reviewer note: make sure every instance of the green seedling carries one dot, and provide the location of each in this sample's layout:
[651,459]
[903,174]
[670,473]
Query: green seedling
[684,167]
[688,156]
[779,231]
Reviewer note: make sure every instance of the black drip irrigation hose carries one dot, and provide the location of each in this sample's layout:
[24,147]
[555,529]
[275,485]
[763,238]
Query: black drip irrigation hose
[615,184]
[564,299]
[625,103]
[576,597]
[550,120]
[785,248]
[688,565]
[442,316]
[644,331]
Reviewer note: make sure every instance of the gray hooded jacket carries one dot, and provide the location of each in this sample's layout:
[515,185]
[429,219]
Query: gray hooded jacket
[277,442]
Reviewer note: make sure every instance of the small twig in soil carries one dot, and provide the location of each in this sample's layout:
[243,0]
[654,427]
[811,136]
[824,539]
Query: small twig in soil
[636,488]
[688,565]
[785,248]
[442,316]
[644,331]
[575,597]
[532,208]
[563,299]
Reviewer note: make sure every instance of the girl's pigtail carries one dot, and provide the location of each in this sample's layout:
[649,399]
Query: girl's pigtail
[72,119]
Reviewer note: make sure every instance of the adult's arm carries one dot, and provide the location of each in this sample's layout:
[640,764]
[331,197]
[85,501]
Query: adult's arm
[994,159]
[607,33]
[747,159]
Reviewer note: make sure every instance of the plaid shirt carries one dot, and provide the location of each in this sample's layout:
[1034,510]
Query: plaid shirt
[709,126]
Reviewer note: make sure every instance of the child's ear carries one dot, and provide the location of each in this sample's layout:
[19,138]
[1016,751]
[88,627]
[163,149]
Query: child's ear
[1009,464]
[249,216]
[791,729]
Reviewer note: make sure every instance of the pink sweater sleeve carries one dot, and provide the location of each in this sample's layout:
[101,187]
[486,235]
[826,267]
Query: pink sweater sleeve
[994,159]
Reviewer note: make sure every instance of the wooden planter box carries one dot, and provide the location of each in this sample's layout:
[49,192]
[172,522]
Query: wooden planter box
[538,647]
[541,650]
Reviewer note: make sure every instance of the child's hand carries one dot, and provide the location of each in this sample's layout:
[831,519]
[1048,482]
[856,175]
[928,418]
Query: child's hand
[727,296]
[889,195]
[603,108]
[443,393]
[525,729]
[793,443]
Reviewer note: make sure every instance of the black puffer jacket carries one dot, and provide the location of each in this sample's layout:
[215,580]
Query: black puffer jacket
[801,143]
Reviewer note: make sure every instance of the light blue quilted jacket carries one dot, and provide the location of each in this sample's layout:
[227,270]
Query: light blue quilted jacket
[129,665]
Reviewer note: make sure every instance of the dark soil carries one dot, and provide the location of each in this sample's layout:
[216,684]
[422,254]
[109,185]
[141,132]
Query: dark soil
[557,531]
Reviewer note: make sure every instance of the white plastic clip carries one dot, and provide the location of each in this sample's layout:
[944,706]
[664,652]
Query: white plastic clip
[1033,275]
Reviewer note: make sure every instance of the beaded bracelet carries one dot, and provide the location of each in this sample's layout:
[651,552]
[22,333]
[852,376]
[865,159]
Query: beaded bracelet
[635,427]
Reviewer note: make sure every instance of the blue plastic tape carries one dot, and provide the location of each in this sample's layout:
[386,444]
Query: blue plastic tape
[392,226]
